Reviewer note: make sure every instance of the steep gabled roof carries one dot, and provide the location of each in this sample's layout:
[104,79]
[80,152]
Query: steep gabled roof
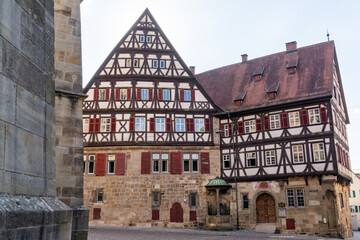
[313,78]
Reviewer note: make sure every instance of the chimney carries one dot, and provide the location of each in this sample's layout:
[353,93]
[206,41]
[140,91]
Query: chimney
[192,69]
[291,47]
[244,58]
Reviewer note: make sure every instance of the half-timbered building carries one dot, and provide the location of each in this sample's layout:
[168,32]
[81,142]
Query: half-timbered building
[148,135]
[283,139]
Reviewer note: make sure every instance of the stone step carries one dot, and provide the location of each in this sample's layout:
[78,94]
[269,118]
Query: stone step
[265,227]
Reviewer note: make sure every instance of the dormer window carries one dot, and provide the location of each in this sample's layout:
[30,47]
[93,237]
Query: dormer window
[258,74]
[272,95]
[291,66]
[272,91]
[239,99]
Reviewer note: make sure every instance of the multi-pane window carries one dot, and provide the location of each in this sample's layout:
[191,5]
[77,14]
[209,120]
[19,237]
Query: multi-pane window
[123,94]
[319,152]
[162,63]
[250,126]
[164,162]
[226,130]
[191,162]
[99,195]
[295,197]
[192,199]
[180,124]
[102,94]
[251,159]
[155,63]
[85,125]
[274,121]
[91,164]
[160,124]
[314,116]
[155,162]
[155,199]
[270,157]
[294,119]
[139,124]
[199,125]
[105,124]
[245,201]
[111,164]
[298,153]
[226,161]
[166,95]
[187,95]
[144,94]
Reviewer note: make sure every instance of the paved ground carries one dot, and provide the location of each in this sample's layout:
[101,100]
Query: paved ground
[116,233]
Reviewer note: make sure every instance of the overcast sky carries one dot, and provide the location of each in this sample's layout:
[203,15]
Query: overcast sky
[214,33]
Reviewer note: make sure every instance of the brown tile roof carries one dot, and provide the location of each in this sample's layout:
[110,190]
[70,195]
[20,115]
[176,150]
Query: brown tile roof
[313,78]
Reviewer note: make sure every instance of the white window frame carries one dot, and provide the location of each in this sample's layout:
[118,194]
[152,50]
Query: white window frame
[226,158]
[91,161]
[160,124]
[275,121]
[187,95]
[294,119]
[102,94]
[148,39]
[195,158]
[164,159]
[105,125]
[290,196]
[86,123]
[318,153]
[155,163]
[199,124]
[186,159]
[155,63]
[166,95]
[249,157]
[296,153]
[162,64]
[249,126]
[139,124]
[142,38]
[300,194]
[270,157]
[314,116]
[144,94]
[123,94]
[98,191]
[180,125]
[111,160]
[298,197]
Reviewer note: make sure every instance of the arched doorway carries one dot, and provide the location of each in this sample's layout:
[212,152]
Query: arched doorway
[265,209]
[330,209]
[176,213]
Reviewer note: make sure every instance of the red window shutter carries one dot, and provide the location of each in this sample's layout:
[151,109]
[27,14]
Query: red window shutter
[258,125]
[284,120]
[168,124]
[145,162]
[181,95]
[100,164]
[207,125]
[160,94]
[192,215]
[175,163]
[95,93]
[132,124]
[97,125]
[113,124]
[150,94]
[222,127]
[304,119]
[205,162]
[138,94]
[266,123]
[120,164]
[192,95]
[230,129]
[241,127]
[117,93]
[129,94]
[107,96]
[290,223]
[323,115]
[92,125]
[155,214]
[152,124]
[192,125]
[97,213]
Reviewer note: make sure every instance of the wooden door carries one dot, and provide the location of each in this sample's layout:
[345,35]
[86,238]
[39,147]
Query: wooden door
[176,213]
[265,209]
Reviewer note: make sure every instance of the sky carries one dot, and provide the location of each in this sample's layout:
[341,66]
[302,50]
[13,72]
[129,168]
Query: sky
[213,33]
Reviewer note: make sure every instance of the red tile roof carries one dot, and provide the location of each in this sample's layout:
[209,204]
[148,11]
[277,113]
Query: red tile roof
[313,78]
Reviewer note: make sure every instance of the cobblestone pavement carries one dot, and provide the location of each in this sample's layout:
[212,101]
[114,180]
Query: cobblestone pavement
[117,233]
